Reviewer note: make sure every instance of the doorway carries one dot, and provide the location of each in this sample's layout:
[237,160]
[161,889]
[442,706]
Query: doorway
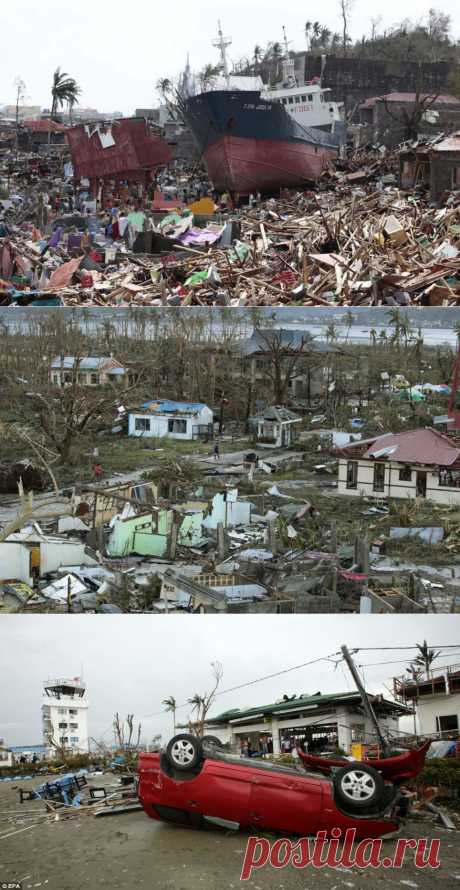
[420,484]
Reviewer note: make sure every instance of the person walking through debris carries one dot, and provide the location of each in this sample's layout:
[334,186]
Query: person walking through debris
[216,451]
[97,471]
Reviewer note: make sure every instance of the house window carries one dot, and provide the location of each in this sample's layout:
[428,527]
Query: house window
[379,477]
[64,740]
[63,726]
[357,732]
[62,710]
[73,712]
[67,377]
[449,478]
[405,474]
[73,726]
[352,474]
[73,739]
[142,424]
[447,723]
[94,379]
[304,98]
[56,378]
[81,377]
[177,426]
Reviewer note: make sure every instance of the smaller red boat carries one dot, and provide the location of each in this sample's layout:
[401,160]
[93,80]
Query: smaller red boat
[397,769]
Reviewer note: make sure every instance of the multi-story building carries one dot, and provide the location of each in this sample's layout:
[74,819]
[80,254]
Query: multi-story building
[65,714]
[436,698]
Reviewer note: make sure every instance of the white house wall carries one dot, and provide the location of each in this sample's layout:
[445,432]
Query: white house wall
[159,424]
[230,511]
[436,706]
[393,486]
[54,555]
[15,563]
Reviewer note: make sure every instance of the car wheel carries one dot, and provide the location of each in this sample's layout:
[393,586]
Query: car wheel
[212,741]
[184,752]
[359,786]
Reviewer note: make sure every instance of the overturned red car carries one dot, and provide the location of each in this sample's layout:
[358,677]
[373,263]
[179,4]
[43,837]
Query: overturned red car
[193,786]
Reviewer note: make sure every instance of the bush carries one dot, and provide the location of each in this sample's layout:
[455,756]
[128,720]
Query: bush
[445,773]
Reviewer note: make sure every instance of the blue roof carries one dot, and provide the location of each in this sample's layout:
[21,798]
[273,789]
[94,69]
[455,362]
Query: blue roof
[166,406]
[31,749]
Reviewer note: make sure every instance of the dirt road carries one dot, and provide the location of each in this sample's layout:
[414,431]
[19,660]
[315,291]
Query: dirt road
[132,851]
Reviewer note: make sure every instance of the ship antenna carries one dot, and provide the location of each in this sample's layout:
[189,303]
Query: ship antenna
[222,43]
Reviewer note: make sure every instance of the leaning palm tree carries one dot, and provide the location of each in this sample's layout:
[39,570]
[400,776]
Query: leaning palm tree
[171,707]
[257,55]
[308,26]
[63,89]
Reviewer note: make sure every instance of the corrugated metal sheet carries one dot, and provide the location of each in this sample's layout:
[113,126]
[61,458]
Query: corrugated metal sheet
[423,446]
[136,148]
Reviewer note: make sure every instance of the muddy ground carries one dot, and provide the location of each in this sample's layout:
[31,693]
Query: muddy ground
[131,851]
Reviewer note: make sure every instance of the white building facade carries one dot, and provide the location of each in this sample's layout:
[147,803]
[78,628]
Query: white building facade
[437,701]
[418,464]
[172,420]
[65,715]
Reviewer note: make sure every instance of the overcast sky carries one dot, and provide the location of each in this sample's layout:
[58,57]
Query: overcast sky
[131,663]
[117,50]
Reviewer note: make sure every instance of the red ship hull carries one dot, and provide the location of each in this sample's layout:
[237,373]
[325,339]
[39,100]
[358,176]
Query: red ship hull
[245,165]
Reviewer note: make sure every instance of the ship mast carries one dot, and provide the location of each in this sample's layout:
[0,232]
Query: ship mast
[222,43]
[288,63]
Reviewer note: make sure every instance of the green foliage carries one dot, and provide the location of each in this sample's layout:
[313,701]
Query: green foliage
[444,773]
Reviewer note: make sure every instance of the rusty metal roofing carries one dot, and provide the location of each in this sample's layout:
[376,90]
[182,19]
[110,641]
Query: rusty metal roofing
[134,147]
[449,143]
[44,126]
[422,446]
[441,99]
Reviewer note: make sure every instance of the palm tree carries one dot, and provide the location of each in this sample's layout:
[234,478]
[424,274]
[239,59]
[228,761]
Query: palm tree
[425,657]
[257,55]
[373,336]
[171,706]
[308,26]
[349,318]
[325,36]
[335,40]
[63,89]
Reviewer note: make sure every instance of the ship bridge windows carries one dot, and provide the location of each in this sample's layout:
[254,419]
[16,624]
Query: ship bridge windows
[290,100]
[310,97]
[304,98]
[297,98]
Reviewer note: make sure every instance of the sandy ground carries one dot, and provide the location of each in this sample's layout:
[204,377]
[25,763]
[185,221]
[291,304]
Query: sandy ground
[130,851]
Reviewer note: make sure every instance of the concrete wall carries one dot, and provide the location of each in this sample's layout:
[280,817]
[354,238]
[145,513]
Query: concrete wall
[15,563]
[432,706]
[53,555]
[393,486]
[148,535]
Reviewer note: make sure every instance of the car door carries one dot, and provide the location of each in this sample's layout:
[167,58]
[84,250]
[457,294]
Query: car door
[285,801]
[221,790]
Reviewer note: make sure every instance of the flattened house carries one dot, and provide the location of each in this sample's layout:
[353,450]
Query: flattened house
[419,463]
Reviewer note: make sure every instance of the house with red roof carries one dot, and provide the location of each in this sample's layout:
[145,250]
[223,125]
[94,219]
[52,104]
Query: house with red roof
[421,463]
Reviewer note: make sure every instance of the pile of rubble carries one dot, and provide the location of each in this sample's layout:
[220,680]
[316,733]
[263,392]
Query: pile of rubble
[357,239]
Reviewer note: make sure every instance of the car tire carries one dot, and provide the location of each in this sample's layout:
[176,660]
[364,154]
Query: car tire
[358,786]
[212,741]
[184,752]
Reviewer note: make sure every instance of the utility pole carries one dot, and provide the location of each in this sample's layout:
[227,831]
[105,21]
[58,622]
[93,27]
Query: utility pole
[369,710]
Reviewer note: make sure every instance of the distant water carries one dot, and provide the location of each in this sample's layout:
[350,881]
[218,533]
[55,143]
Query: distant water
[436,325]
